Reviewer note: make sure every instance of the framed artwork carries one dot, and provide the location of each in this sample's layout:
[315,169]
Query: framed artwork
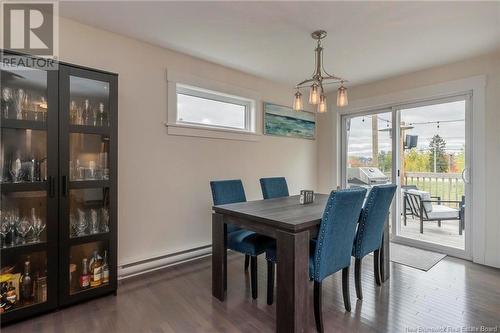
[283,121]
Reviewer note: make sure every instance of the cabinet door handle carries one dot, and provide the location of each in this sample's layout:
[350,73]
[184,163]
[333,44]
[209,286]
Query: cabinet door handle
[65,185]
[52,187]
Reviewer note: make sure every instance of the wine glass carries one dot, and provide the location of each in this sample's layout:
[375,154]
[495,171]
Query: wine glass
[7,99]
[83,223]
[4,227]
[23,227]
[12,220]
[37,226]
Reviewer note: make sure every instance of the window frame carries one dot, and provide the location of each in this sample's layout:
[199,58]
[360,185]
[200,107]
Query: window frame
[217,96]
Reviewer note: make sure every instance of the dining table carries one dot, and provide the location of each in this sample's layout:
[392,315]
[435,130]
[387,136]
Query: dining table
[292,225]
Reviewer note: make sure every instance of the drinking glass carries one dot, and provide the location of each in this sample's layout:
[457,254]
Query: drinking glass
[7,99]
[83,223]
[23,227]
[104,220]
[4,230]
[94,222]
[37,226]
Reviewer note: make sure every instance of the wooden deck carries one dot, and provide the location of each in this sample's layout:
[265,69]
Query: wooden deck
[446,235]
[453,293]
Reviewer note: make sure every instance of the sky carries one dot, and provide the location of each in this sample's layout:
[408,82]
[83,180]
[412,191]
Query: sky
[360,136]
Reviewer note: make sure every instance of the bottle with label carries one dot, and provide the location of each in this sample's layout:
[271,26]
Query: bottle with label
[95,270]
[105,269]
[26,285]
[85,277]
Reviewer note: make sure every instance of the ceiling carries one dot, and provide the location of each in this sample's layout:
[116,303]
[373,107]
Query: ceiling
[366,40]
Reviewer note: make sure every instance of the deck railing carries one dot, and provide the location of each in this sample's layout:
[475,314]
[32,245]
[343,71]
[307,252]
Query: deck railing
[448,186]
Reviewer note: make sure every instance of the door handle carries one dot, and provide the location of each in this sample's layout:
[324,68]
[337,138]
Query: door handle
[65,185]
[465,179]
[52,187]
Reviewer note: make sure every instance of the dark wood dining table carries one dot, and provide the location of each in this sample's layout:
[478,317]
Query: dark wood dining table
[292,225]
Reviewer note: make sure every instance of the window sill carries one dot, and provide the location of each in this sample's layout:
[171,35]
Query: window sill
[212,133]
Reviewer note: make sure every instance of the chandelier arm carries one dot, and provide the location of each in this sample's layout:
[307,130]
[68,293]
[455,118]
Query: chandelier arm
[301,84]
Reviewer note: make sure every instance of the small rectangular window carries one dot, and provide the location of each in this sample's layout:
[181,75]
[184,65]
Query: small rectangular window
[204,108]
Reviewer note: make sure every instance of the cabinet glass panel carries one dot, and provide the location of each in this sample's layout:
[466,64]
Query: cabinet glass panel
[23,281]
[88,157]
[89,211]
[89,102]
[23,155]
[88,266]
[23,218]
[24,93]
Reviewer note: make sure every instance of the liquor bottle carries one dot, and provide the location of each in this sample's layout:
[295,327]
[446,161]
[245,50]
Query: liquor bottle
[105,269]
[95,270]
[85,277]
[86,112]
[26,285]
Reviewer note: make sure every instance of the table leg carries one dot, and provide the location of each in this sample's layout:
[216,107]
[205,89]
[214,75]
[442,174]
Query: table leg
[385,260]
[292,302]
[219,257]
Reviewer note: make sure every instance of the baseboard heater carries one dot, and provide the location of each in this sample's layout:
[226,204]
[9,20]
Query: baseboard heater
[152,264]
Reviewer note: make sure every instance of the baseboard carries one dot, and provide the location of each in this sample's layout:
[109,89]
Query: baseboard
[149,265]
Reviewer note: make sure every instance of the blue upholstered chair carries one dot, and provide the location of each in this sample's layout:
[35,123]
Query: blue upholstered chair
[244,241]
[331,250]
[370,231]
[274,187]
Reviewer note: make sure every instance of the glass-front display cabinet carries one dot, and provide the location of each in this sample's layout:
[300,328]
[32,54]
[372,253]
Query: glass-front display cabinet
[28,186]
[88,135]
[58,167]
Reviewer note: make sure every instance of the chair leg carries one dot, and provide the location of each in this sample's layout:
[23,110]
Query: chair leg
[357,278]
[460,226]
[247,262]
[421,225]
[270,282]
[439,223]
[345,289]
[253,276]
[376,267]
[318,307]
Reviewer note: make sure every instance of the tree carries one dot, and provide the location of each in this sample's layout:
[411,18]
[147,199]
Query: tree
[438,160]
[416,161]
[385,161]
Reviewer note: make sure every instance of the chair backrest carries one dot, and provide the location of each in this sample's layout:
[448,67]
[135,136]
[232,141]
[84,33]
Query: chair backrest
[372,220]
[226,192]
[274,187]
[418,198]
[337,231]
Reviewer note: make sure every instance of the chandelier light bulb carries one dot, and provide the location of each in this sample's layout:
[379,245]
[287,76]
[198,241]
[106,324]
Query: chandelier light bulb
[342,96]
[322,104]
[314,95]
[297,102]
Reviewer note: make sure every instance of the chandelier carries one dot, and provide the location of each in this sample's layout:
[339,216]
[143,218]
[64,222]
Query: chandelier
[319,78]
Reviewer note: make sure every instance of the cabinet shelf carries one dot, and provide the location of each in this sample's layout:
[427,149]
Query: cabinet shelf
[23,248]
[103,130]
[76,184]
[23,124]
[102,236]
[23,186]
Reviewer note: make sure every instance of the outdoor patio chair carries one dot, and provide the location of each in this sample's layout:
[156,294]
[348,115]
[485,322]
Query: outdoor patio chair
[407,206]
[422,206]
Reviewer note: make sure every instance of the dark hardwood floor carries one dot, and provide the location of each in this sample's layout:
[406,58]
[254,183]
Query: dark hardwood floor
[453,293]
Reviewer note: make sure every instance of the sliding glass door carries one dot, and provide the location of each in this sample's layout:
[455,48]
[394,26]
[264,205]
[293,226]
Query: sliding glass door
[423,148]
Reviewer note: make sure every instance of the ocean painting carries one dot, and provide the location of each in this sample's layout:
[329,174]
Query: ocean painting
[283,121]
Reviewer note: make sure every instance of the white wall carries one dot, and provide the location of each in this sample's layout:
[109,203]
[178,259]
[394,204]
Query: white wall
[489,65]
[164,197]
